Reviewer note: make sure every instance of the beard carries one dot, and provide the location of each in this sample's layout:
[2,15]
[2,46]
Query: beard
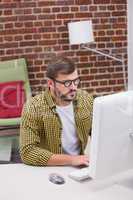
[68,97]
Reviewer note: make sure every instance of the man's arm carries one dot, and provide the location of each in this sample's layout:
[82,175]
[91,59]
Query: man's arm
[63,159]
[30,151]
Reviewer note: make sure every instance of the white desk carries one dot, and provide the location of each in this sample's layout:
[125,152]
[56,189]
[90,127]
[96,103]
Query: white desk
[22,182]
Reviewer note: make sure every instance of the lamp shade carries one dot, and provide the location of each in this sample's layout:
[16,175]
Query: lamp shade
[80,32]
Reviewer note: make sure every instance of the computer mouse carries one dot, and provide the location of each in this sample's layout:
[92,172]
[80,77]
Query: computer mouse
[56,178]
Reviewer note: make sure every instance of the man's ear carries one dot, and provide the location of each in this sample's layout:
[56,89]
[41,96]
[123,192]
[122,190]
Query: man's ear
[50,83]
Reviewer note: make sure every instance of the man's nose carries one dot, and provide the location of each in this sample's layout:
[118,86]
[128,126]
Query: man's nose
[73,86]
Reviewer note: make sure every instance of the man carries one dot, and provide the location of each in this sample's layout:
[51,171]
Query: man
[56,123]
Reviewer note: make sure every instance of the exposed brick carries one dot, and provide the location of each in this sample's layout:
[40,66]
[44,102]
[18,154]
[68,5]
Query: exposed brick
[84,71]
[46,3]
[93,8]
[31,76]
[119,13]
[118,88]
[104,83]
[57,22]
[65,2]
[55,9]
[84,59]
[39,75]
[101,1]
[46,10]
[119,26]
[10,51]
[28,37]
[94,83]
[1,39]
[19,51]
[83,15]
[112,82]
[102,39]
[83,2]
[28,11]
[48,23]
[118,1]
[36,30]
[101,33]
[46,36]
[104,20]
[120,7]
[9,25]
[18,24]
[103,90]
[28,43]
[64,16]
[27,17]
[64,35]
[74,9]
[84,8]
[65,9]
[63,41]
[47,42]
[55,35]
[101,45]
[38,23]
[120,81]
[7,5]
[26,4]
[8,19]
[111,7]
[94,70]
[102,14]
[47,29]
[34,82]
[7,12]
[8,38]
[2,52]
[38,62]
[28,24]
[19,11]
[8,45]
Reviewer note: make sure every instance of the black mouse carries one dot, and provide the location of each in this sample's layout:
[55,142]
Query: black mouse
[56,178]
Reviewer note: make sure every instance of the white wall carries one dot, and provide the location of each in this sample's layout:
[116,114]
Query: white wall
[130,44]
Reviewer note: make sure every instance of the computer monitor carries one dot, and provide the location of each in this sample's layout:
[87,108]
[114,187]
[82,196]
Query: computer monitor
[111,148]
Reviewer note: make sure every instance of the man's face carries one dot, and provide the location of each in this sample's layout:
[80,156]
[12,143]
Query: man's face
[64,87]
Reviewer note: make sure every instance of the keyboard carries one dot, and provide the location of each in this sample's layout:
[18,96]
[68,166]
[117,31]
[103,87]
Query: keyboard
[80,174]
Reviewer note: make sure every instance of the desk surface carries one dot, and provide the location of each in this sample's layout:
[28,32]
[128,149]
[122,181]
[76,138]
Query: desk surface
[19,181]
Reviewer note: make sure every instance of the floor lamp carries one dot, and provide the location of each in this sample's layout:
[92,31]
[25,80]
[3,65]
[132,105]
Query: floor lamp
[81,33]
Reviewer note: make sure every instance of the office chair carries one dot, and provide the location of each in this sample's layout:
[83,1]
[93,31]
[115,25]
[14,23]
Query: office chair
[12,71]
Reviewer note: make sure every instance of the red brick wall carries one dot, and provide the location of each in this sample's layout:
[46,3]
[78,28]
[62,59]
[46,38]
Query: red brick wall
[35,29]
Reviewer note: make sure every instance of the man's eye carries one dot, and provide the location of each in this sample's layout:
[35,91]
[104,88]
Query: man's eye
[67,82]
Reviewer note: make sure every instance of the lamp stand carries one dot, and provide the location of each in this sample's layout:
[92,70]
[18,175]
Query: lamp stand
[112,57]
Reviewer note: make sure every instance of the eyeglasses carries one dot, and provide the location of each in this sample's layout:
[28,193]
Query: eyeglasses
[68,83]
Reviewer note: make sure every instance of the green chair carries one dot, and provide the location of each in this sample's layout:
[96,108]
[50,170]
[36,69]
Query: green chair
[12,70]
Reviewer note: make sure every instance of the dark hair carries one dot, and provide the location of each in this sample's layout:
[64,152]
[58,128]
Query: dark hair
[60,65]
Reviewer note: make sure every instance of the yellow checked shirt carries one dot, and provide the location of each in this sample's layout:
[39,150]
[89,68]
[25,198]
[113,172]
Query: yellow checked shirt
[40,131]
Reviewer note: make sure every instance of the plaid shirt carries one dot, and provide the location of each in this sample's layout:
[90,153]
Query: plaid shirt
[40,131]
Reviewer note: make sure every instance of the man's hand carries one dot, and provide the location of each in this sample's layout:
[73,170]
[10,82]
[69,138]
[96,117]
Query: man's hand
[80,160]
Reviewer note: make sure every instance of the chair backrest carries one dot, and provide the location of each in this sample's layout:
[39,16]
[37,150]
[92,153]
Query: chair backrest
[13,70]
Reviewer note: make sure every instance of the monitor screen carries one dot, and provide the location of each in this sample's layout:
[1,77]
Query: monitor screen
[111,148]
